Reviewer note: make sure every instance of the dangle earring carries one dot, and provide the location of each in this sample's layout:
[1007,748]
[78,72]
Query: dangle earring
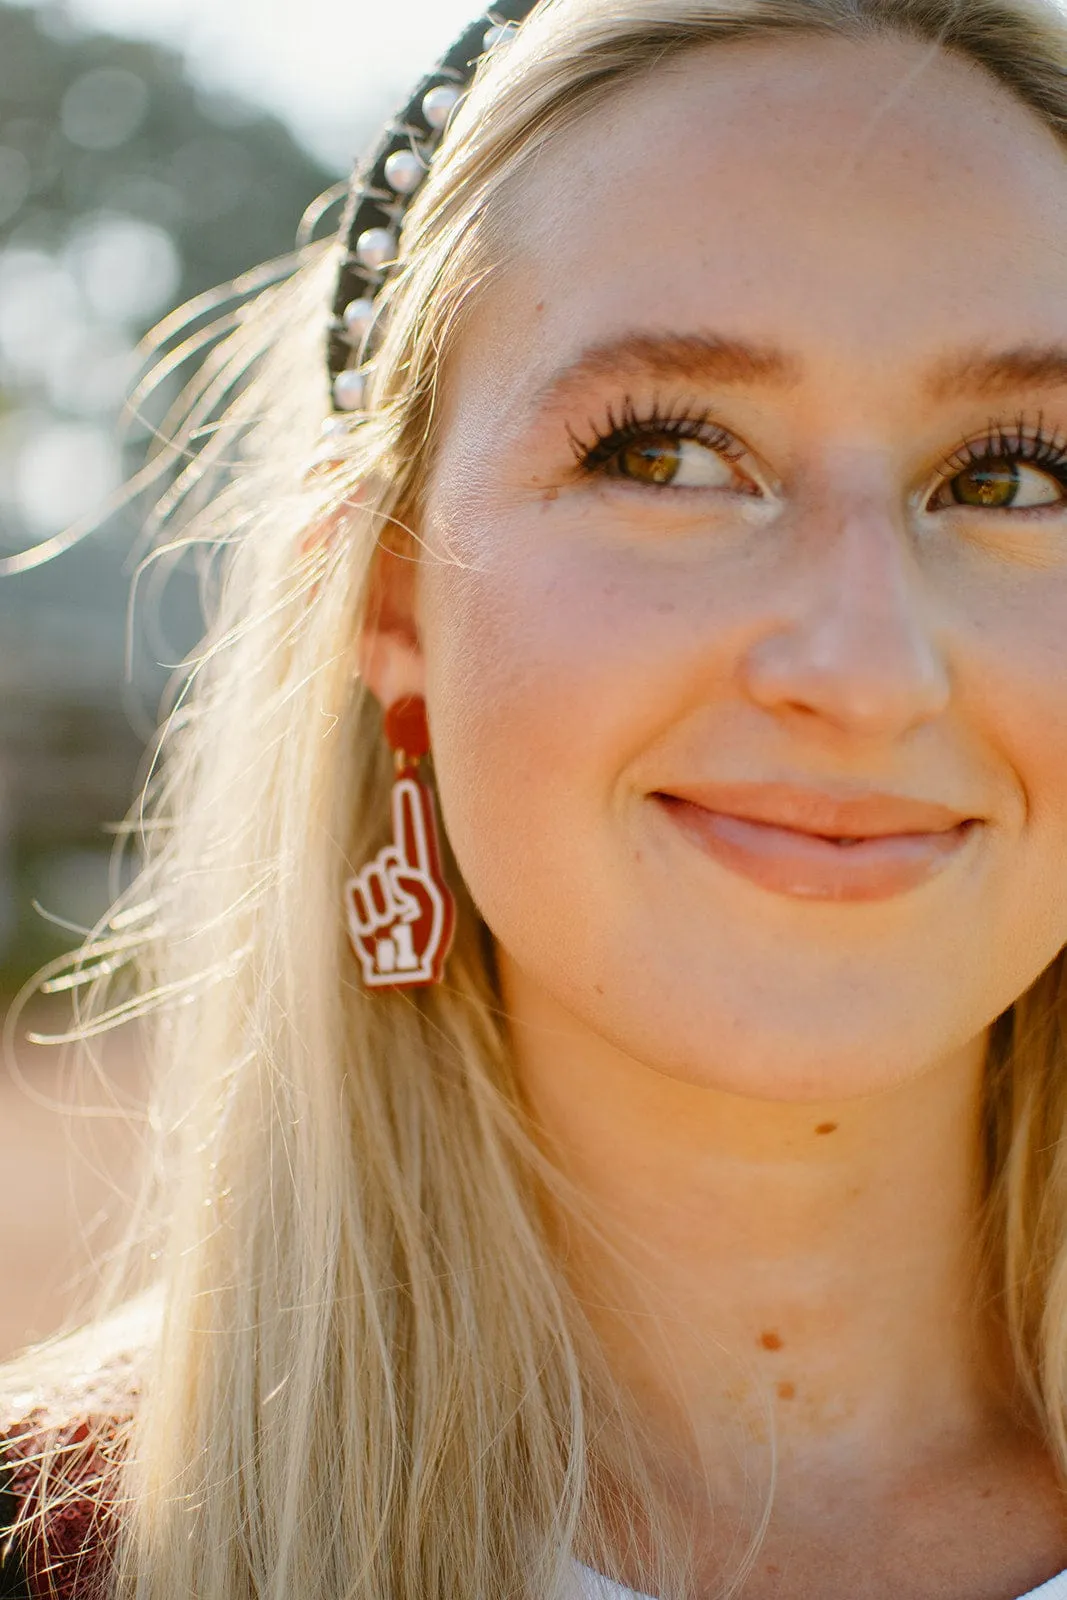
[401,914]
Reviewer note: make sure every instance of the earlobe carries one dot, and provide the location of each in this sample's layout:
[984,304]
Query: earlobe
[389,651]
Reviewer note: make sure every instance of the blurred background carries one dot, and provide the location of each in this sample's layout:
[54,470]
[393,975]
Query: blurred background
[149,150]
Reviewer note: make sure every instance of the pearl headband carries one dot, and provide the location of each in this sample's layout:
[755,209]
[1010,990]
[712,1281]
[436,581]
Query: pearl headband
[381,191]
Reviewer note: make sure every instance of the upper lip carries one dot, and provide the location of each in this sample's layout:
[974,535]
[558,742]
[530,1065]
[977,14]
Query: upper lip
[854,814]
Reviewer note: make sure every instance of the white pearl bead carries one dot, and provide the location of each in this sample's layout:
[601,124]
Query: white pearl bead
[336,432]
[404,171]
[500,35]
[439,105]
[358,318]
[349,389]
[376,248]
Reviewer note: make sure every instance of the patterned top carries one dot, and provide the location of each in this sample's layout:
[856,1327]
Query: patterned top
[64,1553]
[62,1545]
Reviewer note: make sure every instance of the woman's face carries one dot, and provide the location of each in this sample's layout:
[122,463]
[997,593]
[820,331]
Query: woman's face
[748,533]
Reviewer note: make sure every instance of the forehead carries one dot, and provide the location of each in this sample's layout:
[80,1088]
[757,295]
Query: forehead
[822,194]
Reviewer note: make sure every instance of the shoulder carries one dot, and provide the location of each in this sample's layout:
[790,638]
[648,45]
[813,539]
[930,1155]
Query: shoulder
[65,1414]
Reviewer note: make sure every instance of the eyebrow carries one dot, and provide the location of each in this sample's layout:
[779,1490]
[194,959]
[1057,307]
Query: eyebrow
[1028,366]
[711,359]
[700,358]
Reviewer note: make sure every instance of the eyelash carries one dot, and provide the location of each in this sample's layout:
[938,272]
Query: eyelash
[1029,446]
[624,429]
[1022,444]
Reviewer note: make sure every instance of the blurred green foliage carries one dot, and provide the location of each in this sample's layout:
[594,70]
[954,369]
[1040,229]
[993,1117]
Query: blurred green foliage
[114,124]
[123,190]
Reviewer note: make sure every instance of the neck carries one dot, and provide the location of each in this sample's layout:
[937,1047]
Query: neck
[806,1272]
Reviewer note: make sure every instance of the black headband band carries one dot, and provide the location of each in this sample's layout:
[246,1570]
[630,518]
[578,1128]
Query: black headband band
[382,190]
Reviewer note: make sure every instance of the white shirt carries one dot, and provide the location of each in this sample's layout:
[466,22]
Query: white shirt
[591,1586]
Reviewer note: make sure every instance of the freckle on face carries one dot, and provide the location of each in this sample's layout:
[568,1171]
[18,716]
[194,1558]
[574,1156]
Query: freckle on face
[770,1341]
[826,1127]
[786,1391]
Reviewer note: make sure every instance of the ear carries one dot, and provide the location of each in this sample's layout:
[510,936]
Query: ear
[390,652]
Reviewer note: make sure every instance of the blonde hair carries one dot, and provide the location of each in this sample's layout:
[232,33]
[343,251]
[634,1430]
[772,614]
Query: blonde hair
[371,1376]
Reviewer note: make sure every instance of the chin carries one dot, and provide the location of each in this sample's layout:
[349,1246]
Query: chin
[770,1068]
[778,1043]
[807,1078]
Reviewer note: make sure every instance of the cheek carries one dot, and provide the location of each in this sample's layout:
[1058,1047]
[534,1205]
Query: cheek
[516,658]
[556,636]
[551,665]
[1016,693]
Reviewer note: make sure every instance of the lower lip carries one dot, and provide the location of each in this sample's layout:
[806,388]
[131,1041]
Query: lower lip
[814,868]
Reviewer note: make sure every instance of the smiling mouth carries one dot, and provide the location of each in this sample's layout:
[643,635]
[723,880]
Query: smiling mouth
[808,864]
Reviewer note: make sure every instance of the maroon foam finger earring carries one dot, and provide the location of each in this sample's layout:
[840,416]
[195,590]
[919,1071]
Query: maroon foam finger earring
[401,915]
[400,911]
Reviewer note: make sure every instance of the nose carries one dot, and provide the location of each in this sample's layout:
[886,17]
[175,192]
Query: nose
[859,649]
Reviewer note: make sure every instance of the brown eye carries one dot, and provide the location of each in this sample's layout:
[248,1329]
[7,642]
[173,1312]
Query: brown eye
[655,459]
[992,483]
[999,482]
[664,459]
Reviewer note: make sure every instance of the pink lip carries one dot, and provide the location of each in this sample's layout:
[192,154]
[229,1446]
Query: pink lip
[817,846]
